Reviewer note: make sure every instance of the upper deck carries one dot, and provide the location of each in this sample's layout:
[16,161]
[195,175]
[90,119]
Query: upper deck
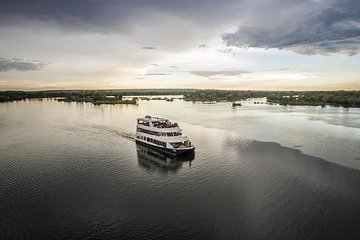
[156,122]
[152,119]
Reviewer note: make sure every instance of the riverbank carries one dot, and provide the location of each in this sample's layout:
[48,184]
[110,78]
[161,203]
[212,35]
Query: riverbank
[304,98]
[9,96]
[100,101]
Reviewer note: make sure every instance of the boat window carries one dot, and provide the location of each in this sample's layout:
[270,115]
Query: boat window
[155,124]
[176,144]
[145,123]
[156,142]
[148,131]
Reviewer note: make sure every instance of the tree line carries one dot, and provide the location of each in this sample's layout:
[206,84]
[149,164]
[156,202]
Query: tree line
[87,95]
[336,98]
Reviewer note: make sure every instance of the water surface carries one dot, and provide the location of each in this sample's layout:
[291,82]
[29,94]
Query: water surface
[73,171]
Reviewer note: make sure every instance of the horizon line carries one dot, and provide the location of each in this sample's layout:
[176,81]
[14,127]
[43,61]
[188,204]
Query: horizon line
[179,89]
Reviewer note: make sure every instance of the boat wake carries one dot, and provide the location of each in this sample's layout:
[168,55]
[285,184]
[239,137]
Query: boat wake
[98,130]
[114,131]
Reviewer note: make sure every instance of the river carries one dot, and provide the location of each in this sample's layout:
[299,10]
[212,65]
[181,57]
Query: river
[73,171]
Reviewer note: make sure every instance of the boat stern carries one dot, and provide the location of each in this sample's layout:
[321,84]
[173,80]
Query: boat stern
[183,151]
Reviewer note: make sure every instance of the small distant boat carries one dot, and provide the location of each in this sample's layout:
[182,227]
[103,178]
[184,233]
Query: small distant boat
[236,104]
[163,135]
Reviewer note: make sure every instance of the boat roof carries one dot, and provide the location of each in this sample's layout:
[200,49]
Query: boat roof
[152,119]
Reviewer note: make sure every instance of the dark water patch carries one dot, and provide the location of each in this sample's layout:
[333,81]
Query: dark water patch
[296,196]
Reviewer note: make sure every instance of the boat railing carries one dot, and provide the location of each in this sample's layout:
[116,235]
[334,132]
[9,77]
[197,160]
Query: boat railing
[185,144]
[166,125]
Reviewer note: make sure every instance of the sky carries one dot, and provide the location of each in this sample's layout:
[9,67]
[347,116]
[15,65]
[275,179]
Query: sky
[222,44]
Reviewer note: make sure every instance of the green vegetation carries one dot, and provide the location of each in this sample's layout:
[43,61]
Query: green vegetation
[97,98]
[222,95]
[94,96]
[314,98]
[335,98]
[168,99]
[9,96]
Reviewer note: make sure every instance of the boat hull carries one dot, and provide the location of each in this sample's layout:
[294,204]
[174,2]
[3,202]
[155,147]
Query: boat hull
[173,152]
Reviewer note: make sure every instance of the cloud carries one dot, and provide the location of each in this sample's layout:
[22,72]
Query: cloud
[167,26]
[212,74]
[305,27]
[157,74]
[112,16]
[321,28]
[19,65]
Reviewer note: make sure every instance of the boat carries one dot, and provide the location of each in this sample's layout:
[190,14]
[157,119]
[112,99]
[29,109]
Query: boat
[235,104]
[163,135]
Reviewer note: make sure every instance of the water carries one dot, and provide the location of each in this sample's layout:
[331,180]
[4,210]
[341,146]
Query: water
[73,171]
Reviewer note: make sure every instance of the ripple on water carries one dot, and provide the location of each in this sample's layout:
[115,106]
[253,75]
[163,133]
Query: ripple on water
[65,180]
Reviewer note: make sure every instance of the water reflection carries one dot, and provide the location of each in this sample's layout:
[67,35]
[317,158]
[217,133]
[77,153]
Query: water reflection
[156,161]
[68,172]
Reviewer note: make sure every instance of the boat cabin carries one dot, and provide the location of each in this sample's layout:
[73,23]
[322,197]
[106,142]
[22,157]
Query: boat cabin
[156,122]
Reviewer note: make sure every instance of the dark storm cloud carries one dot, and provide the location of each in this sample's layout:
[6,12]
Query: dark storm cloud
[305,27]
[326,30]
[88,15]
[111,16]
[19,65]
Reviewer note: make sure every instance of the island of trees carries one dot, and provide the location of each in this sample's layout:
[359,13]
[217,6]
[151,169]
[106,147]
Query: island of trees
[314,98]
[94,96]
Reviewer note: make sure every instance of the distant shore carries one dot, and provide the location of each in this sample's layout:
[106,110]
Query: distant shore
[94,96]
[305,98]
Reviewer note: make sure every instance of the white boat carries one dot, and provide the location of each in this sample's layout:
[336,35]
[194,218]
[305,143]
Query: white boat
[163,135]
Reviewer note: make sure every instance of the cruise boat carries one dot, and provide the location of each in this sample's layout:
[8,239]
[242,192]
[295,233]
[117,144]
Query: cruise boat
[163,135]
